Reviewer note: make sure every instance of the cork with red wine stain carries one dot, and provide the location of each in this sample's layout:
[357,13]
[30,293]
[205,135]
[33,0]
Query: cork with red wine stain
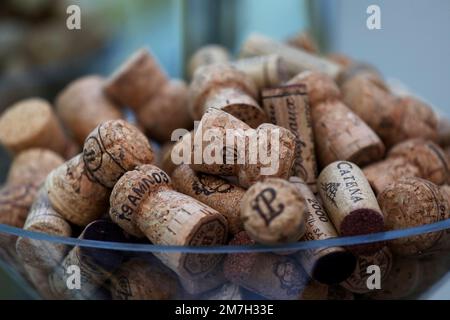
[350,203]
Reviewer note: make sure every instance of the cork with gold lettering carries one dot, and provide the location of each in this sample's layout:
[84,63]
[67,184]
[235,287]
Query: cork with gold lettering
[320,264]
[137,80]
[213,191]
[82,106]
[31,123]
[224,87]
[144,201]
[350,202]
[273,212]
[43,218]
[413,202]
[112,149]
[288,107]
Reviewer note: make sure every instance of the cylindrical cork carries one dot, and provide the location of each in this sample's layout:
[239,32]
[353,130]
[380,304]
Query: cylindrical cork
[136,81]
[15,201]
[273,212]
[350,202]
[327,265]
[32,166]
[288,107]
[75,194]
[83,105]
[39,279]
[210,281]
[43,218]
[413,202]
[228,291]
[224,145]
[143,198]
[354,68]
[303,40]
[31,123]
[112,149]
[143,279]
[445,190]
[165,157]
[358,280]
[341,135]
[297,60]
[265,71]
[224,87]
[207,55]
[94,265]
[213,191]
[444,132]
[394,119]
[340,59]
[427,156]
[166,112]
[269,275]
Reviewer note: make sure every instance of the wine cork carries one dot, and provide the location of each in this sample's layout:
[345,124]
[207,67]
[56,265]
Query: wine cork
[303,40]
[288,107]
[269,275]
[265,71]
[72,149]
[326,265]
[95,265]
[207,55]
[359,281]
[394,119]
[297,60]
[444,132]
[445,190]
[213,191]
[15,201]
[350,202]
[340,59]
[143,199]
[43,218]
[210,281]
[273,212]
[339,133]
[166,112]
[228,291]
[112,149]
[136,80]
[224,87]
[239,150]
[39,279]
[143,279]
[165,159]
[31,123]
[355,68]
[32,166]
[82,106]
[413,202]
[75,194]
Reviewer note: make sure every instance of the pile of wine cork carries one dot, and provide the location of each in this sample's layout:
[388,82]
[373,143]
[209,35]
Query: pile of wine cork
[346,156]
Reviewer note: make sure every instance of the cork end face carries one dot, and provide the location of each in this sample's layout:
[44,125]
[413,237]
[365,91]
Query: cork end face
[334,268]
[250,113]
[363,221]
[368,154]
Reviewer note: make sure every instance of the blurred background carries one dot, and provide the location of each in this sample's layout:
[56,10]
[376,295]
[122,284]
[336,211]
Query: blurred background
[39,55]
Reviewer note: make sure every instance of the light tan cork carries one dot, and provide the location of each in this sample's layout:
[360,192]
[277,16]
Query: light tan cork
[31,123]
[167,217]
[413,202]
[273,212]
[304,40]
[15,201]
[113,148]
[166,112]
[32,166]
[320,264]
[143,279]
[394,119]
[288,107]
[357,282]
[137,80]
[265,71]
[82,105]
[224,87]
[269,275]
[213,191]
[207,55]
[350,202]
[43,218]
[297,60]
[243,158]
[75,194]
[95,265]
